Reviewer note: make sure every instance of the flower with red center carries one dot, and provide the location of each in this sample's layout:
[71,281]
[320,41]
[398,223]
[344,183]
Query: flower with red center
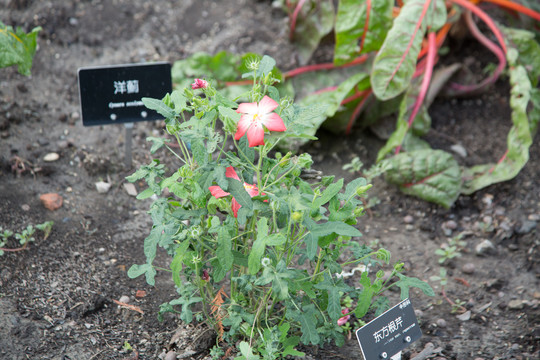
[218,192]
[254,117]
[343,320]
[199,84]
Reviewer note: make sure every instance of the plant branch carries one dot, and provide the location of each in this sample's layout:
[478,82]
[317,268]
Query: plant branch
[430,61]
[463,89]
[516,7]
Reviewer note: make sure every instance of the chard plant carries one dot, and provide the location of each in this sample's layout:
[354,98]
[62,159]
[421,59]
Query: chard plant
[385,63]
[17,47]
[257,251]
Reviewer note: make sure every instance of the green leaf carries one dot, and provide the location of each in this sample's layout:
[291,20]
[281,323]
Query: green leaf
[177,262]
[147,269]
[520,136]
[17,48]
[421,123]
[224,249]
[160,107]
[349,28]
[246,351]
[259,245]
[236,188]
[328,194]
[227,112]
[199,152]
[405,283]
[432,175]
[334,290]
[315,20]
[265,66]
[157,143]
[395,63]
[364,300]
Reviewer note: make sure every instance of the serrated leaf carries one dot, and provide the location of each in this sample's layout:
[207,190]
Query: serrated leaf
[224,249]
[147,269]
[265,66]
[237,190]
[432,175]
[405,283]
[157,143]
[177,262]
[17,48]
[159,106]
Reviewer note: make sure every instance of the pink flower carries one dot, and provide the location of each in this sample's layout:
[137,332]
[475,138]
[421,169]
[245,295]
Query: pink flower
[343,320]
[199,84]
[254,117]
[218,192]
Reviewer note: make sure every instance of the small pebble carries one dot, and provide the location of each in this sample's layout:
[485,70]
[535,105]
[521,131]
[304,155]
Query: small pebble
[171,355]
[465,316]
[102,187]
[130,189]
[526,227]
[124,299]
[515,304]
[468,268]
[450,224]
[50,157]
[408,219]
[485,247]
[25,207]
[441,323]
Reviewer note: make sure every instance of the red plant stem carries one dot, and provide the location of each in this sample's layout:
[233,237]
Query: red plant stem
[294,17]
[485,17]
[500,161]
[356,96]
[443,293]
[430,62]
[417,27]
[327,89]
[17,249]
[441,36]
[357,111]
[493,48]
[324,66]
[366,24]
[516,7]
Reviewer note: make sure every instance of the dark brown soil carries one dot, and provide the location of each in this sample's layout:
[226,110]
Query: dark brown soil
[57,296]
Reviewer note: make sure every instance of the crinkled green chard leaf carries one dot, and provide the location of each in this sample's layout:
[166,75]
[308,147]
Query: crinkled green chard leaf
[17,48]
[432,175]
[396,61]
[520,136]
[420,126]
[351,23]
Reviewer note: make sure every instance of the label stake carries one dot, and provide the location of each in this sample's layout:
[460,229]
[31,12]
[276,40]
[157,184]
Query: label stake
[128,140]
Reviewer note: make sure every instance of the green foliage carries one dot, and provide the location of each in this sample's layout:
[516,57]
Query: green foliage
[380,69]
[24,237]
[17,47]
[256,254]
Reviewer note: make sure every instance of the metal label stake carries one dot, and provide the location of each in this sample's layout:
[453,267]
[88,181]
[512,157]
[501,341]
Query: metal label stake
[128,140]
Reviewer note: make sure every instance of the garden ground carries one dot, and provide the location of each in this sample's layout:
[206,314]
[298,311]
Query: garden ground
[57,297]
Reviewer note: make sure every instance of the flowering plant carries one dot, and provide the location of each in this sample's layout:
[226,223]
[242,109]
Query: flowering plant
[258,249]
